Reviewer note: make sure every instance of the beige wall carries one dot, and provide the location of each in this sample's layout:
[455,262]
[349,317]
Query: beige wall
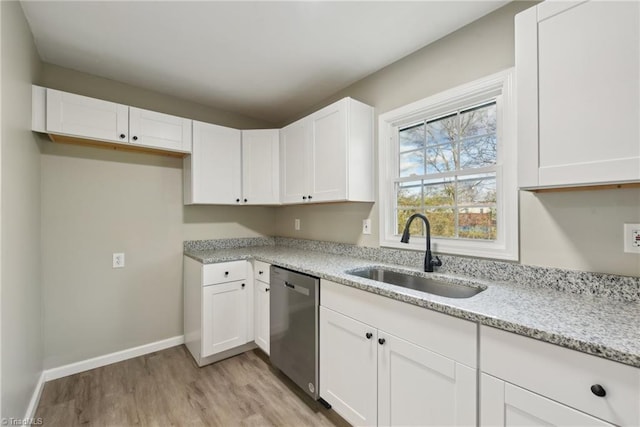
[96,202]
[21,309]
[581,230]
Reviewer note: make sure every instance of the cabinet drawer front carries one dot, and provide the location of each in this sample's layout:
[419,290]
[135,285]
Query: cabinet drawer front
[563,375]
[224,272]
[261,271]
[446,335]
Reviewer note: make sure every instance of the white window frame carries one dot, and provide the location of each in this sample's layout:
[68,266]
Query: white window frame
[499,86]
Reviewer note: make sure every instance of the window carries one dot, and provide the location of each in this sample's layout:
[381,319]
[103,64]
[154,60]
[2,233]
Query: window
[452,158]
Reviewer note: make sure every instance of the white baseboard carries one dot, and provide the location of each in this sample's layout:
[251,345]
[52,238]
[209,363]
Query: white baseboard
[35,398]
[107,359]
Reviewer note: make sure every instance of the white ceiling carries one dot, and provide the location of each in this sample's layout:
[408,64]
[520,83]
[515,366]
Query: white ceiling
[268,60]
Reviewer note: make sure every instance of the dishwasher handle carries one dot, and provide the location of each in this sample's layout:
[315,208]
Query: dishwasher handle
[303,291]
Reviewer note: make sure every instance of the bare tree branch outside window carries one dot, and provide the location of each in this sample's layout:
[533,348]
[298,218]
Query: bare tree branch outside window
[447,171]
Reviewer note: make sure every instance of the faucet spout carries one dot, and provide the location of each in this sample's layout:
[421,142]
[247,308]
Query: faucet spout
[429,260]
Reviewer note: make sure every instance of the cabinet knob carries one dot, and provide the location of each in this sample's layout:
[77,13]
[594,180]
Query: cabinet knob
[309,196]
[245,200]
[381,341]
[123,136]
[368,335]
[243,286]
[260,272]
[135,138]
[226,273]
[598,390]
[304,197]
[237,200]
[266,289]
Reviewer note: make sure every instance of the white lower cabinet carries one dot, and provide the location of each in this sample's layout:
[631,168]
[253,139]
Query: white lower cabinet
[376,367]
[218,309]
[529,382]
[224,317]
[504,404]
[348,367]
[261,327]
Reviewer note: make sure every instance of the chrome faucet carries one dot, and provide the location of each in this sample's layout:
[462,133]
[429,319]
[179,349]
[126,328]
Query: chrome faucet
[429,260]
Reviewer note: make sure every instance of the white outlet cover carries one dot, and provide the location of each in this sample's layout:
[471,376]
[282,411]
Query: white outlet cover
[118,260]
[366,226]
[632,238]
[296,224]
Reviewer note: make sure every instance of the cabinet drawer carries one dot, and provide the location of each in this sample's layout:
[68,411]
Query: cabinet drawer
[223,272]
[563,375]
[261,271]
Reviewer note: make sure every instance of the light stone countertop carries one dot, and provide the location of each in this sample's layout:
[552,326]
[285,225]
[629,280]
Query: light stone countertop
[600,326]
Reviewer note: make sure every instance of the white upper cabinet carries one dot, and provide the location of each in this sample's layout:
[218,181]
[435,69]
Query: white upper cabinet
[68,117]
[81,116]
[294,150]
[260,167]
[152,129]
[212,173]
[328,156]
[578,87]
[232,167]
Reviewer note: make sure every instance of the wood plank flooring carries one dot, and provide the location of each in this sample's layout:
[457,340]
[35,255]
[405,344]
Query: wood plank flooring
[167,388]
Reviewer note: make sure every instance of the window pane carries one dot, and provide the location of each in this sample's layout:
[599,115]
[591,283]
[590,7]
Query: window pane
[477,189]
[440,158]
[478,223]
[417,226]
[478,121]
[442,222]
[411,137]
[412,163]
[478,152]
[442,130]
[439,193]
[409,194]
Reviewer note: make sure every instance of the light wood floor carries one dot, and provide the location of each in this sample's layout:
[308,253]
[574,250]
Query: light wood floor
[166,388]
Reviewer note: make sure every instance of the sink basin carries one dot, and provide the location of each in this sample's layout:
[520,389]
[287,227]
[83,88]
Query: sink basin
[424,284]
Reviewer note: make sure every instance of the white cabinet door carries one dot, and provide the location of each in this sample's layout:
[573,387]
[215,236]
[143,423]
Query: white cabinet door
[158,130]
[578,93]
[419,387]
[294,162]
[260,166]
[213,171]
[329,153]
[85,117]
[348,367]
[503,404]
[261,319]
[224,317]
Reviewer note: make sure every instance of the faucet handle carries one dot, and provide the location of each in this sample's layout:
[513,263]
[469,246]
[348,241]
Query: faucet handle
[436,262]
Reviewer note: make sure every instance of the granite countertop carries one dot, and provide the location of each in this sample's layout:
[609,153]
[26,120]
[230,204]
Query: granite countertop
[600,326]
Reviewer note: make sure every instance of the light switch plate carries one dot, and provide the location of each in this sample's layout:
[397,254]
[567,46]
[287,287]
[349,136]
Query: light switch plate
[296,224]
[632,238]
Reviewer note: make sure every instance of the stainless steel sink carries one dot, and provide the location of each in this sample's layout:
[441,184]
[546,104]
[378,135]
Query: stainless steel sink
[424,284]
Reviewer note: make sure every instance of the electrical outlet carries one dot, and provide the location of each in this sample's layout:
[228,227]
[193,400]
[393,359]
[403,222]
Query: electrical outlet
[118,260]
[366,226]
[632,238]
[296,224]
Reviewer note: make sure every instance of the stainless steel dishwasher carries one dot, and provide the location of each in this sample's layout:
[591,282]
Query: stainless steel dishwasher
[294,327]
